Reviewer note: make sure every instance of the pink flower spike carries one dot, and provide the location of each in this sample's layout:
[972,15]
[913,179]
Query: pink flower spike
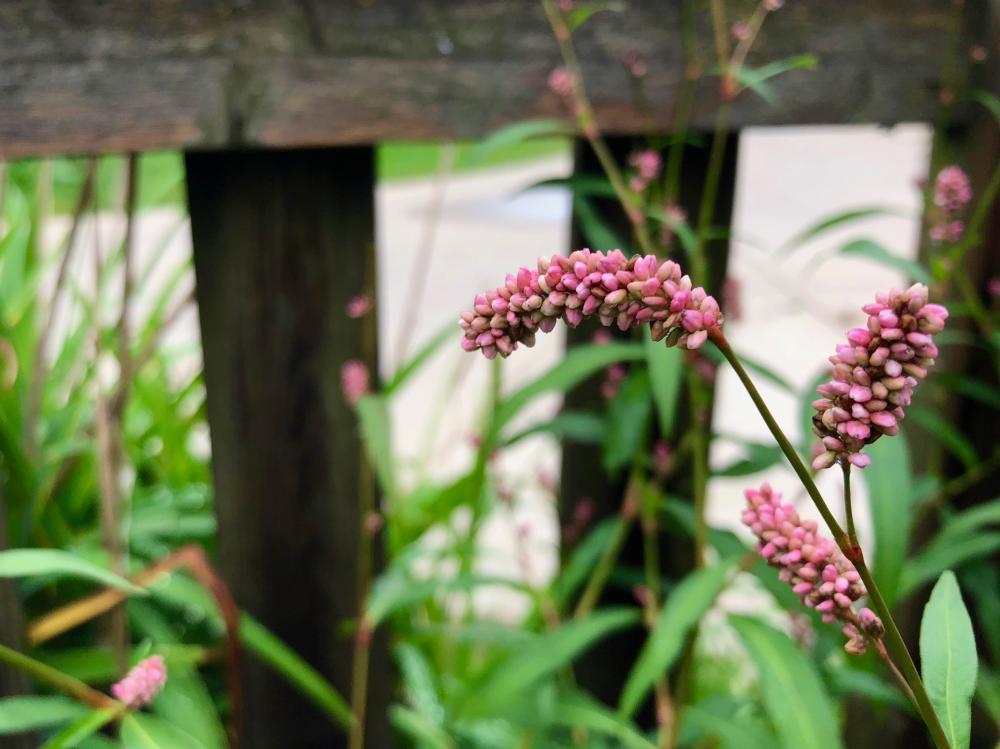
[354,380]
[142,683]
[874,375]
[617,290]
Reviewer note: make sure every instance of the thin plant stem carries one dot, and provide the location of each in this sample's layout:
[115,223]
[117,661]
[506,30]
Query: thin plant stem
[848,508]
[897,675]
[606,564]
[699,470]
[57,679]
[852,552]
[651,605]
[588,125]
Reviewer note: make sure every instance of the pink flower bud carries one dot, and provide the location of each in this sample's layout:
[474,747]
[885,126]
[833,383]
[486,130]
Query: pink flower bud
[142,683]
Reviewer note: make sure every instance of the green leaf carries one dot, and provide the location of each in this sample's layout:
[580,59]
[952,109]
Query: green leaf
[400,377]
[942,430]
[578,710]
[579,426]
[684,608]
[948,660]
[793,694]
[58,563]
[376,433]
[875,252]
[582,12]
[584,557]
[628,421]
[21,714]
[759,458]
[421,730]
[765,372]
[988,693]
[756,79]
[970,387]
[990,101]
[847,680]
[938,557]
[890,493]
[666,371]
[81,729]
[578,364]
[276,654]
[720,717]
[144,731]
[596,229]
[836,221]
[541,657]
[515,133]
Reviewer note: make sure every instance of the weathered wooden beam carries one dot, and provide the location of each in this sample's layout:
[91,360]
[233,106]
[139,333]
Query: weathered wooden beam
[282,240]
[89,77]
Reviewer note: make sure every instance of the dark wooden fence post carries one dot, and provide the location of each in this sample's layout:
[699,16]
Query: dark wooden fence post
[282,240]
[603,671]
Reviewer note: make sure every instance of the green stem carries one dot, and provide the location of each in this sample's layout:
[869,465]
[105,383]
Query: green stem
[852,552]
[699,470]
[63,682]
[606,564]
[852,535]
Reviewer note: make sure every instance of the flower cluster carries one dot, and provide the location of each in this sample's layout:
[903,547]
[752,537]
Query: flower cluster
[952,193]
[614,288]
[561,82]
[142,683]
[874,374]
[821,576]
[647,165]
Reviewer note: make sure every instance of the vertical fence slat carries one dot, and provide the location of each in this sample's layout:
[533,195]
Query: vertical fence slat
[603,670]
[282,240]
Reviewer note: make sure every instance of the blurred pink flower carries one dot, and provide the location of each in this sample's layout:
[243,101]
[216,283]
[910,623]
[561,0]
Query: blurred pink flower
[561,82]
[583,515]
[740,30]
[613,377]
[663,458]
[142,683]
[874,374]
[621,291]
[354,381]
[952,189]
[993,286]
[773,5]
[358,306]
[635,64]
[601,337]
[647,165]
[732,298]
[948,231]
[819,573]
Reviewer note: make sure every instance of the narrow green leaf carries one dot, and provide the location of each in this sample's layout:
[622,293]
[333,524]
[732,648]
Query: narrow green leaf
[276,654]
[948,659]
[419,728]
[628,421]
[970,387]
[720,717]
[518,132]
[890,492]
[793,694]
[419,682]
[58,563]
[756,79]
[81,729]
[578,364]
[144,731]
[403,374]
[376,433]
[541,657]
[942,430]
[684,608]
[579,426]
[990,101]
[835,221]
[21,714]
[759,458]
[970,521]
[936,557]
[578,710]
[581,562]
[666,371]
[756,367]
[582,12]
[875,252]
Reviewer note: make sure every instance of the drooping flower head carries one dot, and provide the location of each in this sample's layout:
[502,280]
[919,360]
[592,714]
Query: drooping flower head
[142,683]
[616,289]
[874,374]
[819,573]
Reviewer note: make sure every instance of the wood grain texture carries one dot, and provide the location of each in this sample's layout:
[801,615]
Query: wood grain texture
[80,76]
[282,240]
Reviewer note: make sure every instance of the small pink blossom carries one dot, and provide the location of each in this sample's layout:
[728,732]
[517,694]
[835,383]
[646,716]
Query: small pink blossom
[663,458]
[740,31]
[952,189]
[354,382]
[948,231]
[993,286]
[819,573]
[583,515]
[358,306]
[647,165]
[561,82]
[601,337]
[618,290]
[566,6]
[874,374]
[613,378]
[142,683]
